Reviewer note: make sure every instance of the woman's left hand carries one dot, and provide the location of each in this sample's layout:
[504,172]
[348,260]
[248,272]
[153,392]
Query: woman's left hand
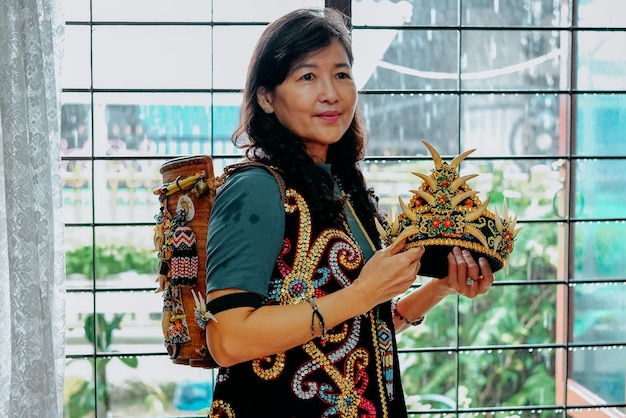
[466,276]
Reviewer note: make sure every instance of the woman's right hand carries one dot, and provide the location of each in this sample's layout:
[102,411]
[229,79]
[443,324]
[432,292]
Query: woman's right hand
[390,272]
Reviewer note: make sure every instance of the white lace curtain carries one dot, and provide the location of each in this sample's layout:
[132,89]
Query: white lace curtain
[32,271]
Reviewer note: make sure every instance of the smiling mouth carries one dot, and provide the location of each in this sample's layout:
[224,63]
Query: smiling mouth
[330,116]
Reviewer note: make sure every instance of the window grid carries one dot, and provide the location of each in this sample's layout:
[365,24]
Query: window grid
[570,220]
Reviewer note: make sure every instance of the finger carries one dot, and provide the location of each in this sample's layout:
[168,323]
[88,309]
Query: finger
[416,254]
[409,258]
[473,271]
[453,279]
[452,266]
[487,275]
[399,244]
[461,264]
[466,272]
[485,268]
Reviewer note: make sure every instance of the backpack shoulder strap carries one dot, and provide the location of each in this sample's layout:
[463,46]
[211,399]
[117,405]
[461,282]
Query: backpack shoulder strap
[275,172]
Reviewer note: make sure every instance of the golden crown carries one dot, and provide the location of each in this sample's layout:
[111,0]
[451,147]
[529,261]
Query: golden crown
[445,212]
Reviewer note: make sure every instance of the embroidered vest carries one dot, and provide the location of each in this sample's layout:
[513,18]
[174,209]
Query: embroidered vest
[355,374]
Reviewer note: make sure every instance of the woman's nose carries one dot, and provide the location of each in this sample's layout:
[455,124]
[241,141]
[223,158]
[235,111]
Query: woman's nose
[328,91]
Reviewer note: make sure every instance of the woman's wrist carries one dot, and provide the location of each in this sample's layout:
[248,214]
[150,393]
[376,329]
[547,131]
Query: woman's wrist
[412,307]
[440,288]
[396,314]
[362,296]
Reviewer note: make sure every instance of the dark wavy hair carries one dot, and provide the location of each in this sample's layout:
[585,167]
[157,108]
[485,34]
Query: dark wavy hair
[283,43]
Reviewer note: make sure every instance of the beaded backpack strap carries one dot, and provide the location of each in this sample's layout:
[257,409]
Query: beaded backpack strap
[230,169]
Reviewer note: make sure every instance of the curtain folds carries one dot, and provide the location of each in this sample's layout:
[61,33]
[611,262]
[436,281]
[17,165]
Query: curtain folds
[32,263]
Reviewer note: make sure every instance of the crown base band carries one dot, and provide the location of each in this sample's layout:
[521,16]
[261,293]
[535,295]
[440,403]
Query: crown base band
[435,258]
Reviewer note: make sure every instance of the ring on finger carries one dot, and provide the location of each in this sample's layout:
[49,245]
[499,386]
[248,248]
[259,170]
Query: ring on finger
[469,281]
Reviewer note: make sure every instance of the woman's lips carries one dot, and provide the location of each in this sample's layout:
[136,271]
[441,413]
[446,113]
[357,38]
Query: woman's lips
[330,116]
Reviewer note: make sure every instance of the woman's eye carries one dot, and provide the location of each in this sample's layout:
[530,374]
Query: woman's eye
[307,77]
[343,75]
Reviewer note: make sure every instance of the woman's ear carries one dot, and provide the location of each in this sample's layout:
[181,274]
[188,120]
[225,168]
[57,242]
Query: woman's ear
[264,99]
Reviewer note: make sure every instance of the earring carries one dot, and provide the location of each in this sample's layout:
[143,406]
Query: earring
[267,110]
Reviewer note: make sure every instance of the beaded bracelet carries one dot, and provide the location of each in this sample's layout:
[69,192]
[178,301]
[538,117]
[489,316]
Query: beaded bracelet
[316,312]
[395,313]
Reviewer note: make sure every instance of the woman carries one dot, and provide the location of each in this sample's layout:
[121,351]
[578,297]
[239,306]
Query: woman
[302,293]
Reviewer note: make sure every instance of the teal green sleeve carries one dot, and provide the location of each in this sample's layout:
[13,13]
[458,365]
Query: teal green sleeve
[246,230]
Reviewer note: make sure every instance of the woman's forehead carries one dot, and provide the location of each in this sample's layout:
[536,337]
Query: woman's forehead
[327,51]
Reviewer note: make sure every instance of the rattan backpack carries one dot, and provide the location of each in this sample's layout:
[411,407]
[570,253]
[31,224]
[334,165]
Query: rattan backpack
[180,234]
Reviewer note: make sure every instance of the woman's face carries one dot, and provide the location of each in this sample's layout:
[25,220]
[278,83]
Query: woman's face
[317,100]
